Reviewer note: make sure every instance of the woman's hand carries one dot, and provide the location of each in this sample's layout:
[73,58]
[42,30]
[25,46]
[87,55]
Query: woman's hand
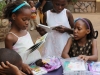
[26,69]
[61,29]
[84,57]
[9,69]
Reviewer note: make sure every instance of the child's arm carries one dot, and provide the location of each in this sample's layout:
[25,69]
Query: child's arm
[41,30]
[94,56]
[9,69]
[62,28]
[67,48]
[71,22]
[9,41]
[26,69]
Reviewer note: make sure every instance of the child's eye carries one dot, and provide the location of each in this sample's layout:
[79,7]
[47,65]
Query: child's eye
[57,4]
[79,28]
[24,19]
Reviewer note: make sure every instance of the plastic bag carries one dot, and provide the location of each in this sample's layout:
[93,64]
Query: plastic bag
[74,66]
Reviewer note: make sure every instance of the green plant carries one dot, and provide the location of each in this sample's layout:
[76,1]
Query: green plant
[2,5]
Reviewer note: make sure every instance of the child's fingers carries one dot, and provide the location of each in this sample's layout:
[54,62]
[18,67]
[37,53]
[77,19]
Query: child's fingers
[22,73]
[29,70]
[3,65]
[9,64]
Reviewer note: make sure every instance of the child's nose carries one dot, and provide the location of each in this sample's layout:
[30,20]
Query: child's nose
[75,30]
[27,22]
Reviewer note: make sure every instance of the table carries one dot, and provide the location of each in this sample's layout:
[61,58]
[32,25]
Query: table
[56,72]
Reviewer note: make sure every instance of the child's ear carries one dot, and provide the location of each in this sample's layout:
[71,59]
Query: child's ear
[13,16]
[88,31]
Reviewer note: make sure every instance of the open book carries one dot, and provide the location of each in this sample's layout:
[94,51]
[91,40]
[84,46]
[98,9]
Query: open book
[47,28]
[38,43]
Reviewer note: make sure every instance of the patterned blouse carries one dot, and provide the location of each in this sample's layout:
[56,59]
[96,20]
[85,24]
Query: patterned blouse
[77,50]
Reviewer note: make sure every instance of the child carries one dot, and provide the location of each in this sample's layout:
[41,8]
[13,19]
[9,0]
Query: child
[83,43]
[33,21]
[57,38]
[14,58]
[18,38]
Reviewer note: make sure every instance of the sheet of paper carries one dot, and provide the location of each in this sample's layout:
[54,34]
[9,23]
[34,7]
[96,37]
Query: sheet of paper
[47,28]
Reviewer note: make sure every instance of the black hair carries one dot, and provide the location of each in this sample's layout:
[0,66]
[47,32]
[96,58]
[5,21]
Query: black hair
[11,6]
[91,35]
[10,55]
[39,63]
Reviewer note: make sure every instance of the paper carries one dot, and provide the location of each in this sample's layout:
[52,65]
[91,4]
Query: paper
[38,70]
[38,43]
[47,28]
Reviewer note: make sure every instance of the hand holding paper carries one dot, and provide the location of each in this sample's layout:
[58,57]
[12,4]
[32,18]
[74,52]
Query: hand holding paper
[48,28]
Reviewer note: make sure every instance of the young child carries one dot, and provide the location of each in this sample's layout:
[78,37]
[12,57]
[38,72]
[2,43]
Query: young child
[83,44]
[18,38]
[33,21]
[10,62]
[56,39]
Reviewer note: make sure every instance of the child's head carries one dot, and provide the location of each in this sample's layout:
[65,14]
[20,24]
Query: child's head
[83,28]
[31,3]
[58,5]
[10,56]
[19,13]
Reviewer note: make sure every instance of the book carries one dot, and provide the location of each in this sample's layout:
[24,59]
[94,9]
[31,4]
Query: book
[38,43]
[47,28]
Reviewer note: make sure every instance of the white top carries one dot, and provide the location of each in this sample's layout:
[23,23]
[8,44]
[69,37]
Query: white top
[56,41]
[21,47]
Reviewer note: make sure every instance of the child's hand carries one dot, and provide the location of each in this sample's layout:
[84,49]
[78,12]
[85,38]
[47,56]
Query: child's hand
[26,69]
[41,30]
[9,69]
[84,57]
[61,29]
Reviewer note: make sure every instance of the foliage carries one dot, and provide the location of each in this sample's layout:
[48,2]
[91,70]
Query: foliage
[2,5]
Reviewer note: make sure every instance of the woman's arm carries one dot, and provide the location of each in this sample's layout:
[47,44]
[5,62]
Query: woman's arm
[67,48]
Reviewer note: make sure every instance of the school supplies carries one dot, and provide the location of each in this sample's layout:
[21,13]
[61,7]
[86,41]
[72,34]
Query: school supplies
[74,66]
[53,62]
[38,43]
[94,67]
[47,28]
[38,70]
